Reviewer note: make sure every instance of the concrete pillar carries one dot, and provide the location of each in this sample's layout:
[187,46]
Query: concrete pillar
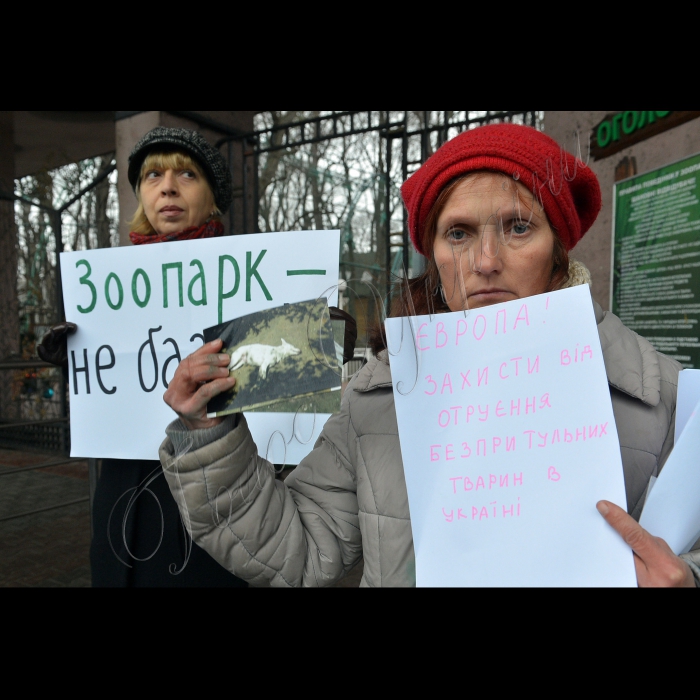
[131,129]
[9,318]
[595,248]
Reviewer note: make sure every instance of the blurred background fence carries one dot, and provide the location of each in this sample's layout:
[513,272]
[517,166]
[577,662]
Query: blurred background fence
[74,207]
[344,170]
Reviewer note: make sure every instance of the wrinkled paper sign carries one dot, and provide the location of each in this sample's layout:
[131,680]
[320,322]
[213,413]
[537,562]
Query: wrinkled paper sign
[141,309]
[672,508]
[508,441]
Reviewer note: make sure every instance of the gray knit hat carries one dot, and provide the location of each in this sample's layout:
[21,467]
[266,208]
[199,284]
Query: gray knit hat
[213,164]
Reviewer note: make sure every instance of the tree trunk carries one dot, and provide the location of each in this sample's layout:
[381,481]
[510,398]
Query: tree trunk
[101,203]
[316,194]
[9,318]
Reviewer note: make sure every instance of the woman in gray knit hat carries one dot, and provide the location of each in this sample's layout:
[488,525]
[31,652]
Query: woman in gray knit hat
[183,186]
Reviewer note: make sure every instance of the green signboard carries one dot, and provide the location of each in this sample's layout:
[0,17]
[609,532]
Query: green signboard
[656,258]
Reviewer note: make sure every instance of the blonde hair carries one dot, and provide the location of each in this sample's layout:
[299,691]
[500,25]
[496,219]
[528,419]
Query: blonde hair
[173,160]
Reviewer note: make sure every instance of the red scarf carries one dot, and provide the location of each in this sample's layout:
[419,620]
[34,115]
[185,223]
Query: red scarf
[211,229]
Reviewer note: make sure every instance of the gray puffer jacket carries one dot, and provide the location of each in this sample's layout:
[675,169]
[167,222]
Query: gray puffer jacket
[347,499]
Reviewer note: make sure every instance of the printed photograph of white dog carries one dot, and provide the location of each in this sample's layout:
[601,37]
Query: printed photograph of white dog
[284,359]
[262,356]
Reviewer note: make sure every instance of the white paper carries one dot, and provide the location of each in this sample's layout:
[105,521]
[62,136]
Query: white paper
[508,441]
[129,423]
[687,398]
[285,438]
[672,509]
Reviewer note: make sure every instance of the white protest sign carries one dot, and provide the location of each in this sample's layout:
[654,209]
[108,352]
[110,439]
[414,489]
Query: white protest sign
[686,399]
[141,309]
[672,508]
[508,441]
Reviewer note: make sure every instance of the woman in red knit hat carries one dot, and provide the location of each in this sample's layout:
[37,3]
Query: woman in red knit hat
[527,203]
[495,211]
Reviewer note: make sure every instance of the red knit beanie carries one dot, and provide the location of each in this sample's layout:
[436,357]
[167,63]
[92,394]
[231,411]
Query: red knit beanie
[568,190]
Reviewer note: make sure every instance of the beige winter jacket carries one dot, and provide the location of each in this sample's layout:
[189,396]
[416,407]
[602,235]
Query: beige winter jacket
[347,499]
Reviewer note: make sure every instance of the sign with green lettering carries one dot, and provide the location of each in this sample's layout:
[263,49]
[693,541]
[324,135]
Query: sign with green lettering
[623,129]
[141,310]
[655,286]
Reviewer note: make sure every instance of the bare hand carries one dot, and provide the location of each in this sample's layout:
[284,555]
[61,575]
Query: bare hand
[199,378]
[655,563]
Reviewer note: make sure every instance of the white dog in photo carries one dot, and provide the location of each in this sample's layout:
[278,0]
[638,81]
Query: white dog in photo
[262,356]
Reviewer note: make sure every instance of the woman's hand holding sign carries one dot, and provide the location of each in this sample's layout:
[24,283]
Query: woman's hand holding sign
[655,563]
[200,377]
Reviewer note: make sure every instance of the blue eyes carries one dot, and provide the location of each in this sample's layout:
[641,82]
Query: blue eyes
[457,235]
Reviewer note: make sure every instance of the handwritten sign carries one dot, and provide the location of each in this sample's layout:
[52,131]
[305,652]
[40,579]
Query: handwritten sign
[141,310]
[508,441]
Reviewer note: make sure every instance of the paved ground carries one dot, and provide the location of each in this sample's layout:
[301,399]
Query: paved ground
[47,549]
[50,548]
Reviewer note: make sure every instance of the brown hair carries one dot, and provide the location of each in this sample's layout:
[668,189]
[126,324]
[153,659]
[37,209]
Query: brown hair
[172,160]
[423,294]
